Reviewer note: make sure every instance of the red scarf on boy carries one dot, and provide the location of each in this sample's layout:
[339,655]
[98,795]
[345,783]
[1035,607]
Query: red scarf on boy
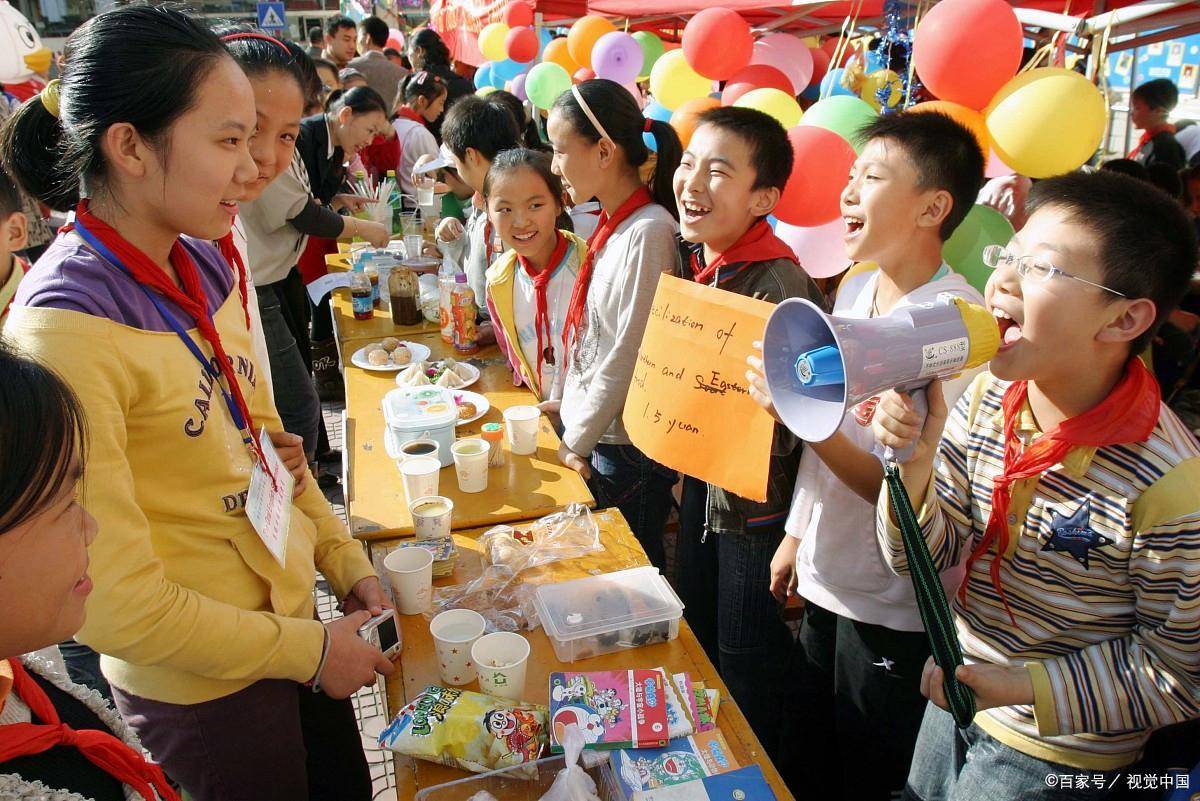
[1147,135]
[758,243]
[1128,414]
[541,283]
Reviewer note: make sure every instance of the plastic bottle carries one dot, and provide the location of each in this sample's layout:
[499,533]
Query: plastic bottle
[395,202]
[463,312]
[446,274]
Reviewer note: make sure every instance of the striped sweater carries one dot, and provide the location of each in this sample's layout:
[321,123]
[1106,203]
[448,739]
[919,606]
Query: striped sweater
[1111,636]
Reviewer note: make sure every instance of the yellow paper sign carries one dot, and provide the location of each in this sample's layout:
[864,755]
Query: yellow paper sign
[689,405]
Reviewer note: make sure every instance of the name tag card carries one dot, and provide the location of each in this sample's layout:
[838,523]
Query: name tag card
[269,504]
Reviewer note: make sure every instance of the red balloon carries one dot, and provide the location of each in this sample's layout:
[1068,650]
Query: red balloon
[583,74]
[964,68]
[830,47]
[823,162]
[756,76]
[820,65]
[717,43]
[522,44]
[517,14]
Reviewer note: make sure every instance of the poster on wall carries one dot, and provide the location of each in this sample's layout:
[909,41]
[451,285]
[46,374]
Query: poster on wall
[1124,64]
[1175,54]
[1187,77]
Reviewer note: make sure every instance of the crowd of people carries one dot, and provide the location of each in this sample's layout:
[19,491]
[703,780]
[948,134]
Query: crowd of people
[162,343]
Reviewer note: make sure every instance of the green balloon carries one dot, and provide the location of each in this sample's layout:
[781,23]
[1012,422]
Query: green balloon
[545,83]
[652,48]
[963,251]
[845,115]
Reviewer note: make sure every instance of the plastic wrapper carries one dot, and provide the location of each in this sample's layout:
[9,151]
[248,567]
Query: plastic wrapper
[504,602]
[467,730]
[573,782]
[568,534]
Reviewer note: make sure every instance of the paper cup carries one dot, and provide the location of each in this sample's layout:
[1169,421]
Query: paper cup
[411,572]
[500,659]
[471,464]
[522,425]
[431,516]
[454,632]
[428,448]
[420,476]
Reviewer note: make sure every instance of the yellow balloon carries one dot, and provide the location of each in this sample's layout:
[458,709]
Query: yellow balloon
[484,91]
[773,102]
[876,81]
[491,41]
[811,41]
[1046,122]
[673,82]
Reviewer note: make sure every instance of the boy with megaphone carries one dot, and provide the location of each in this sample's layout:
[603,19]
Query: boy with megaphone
[1071,492]
[856,669]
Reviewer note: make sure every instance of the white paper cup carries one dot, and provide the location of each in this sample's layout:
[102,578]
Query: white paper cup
[500,659]
[416,448]
[431,516]
[411,572]
[454,632]
[471,464]
[521,423]
[420,476]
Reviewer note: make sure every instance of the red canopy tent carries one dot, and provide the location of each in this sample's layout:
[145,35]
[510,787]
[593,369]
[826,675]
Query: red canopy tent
[460,21]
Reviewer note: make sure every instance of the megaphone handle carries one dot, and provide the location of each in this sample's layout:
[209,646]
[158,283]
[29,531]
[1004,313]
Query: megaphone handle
[921,406]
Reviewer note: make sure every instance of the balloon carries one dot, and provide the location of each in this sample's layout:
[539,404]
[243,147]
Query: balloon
[876,83]
[652,49]
[484,91]
[484,75]
[583,37]
[545,82]
[717,42]
[618,57]
[636,93]
[832,84]
[820,66]
[963,251]
[522,44]
[518,13]
[969,118]
[673,81]
[830,47]
[820,249]
[654,111]
[965,50]
[774,103]
[583,74]
[844,115]
[557,52]
[822,161]
[507,69]
[787,54]
[685,117]
[995,167]
[1046,121]
[545,37]
[491,41]
[755,76]
[518,86]
[395,39]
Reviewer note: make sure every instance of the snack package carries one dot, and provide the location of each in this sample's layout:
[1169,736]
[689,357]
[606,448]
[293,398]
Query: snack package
[505,603]
[568,534]
[467,730]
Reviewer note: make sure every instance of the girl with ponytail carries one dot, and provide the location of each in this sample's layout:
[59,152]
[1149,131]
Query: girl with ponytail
[634,243]
[207,632]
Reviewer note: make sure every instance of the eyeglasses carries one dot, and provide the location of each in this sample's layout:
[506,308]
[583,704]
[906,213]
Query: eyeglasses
[1034,270]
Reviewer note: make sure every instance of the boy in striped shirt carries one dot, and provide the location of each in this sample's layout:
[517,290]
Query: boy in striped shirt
[1071,492]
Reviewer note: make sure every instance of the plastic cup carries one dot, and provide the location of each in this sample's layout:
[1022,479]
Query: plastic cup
[522,425]
[431,516]
[420,476]
[413,245]
[454,632]
[424,185]
[471,464]
[411,572]
[500,659]
[428,448]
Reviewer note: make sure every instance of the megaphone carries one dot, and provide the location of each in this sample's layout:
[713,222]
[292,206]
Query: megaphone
[817,366]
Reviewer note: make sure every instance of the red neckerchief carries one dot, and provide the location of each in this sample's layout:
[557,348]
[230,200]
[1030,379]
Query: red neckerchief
[1147,135]
[757,244]
[99,747]
[640,197]
[410,114]
[1128,414]
[541,282]
[229,250]
[18,264]
[191,300]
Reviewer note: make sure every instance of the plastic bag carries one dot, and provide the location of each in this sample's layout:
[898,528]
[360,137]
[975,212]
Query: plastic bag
[496,594]
[568,534]
[573,782]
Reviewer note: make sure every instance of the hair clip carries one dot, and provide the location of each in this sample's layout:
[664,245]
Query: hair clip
[51,96]
[647,125]
[233,37]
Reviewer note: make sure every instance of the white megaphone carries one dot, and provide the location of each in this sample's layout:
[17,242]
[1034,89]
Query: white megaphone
[817,366]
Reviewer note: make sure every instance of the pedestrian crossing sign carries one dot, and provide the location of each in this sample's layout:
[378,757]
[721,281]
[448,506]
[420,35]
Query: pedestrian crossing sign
[271,17]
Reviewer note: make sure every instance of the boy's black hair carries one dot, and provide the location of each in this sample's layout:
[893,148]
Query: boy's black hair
[376,30]
[392,52]
[1134,169]
[1144,241]
[337,22]
[316,36]
[474,122]
[770,151]
[1159,93]
[1166,178]
[944,152]
[10,200]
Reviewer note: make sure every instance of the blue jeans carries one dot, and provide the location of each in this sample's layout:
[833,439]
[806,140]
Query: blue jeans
[83,666]
[624,477]
[952,764]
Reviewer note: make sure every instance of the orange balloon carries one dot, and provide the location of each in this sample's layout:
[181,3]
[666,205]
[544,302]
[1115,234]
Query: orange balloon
[558,53]
[969,118]
[583,35]
[684,118]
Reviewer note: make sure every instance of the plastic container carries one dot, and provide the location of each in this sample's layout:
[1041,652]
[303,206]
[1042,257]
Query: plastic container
[421,413]
[493,434]
[601,614]
[527,782]
[463,312]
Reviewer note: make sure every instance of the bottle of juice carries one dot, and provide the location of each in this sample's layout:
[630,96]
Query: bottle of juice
[446,275]
[464,311]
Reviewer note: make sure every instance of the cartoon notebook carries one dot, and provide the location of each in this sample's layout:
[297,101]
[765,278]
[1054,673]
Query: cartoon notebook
[613,709]
[682,760]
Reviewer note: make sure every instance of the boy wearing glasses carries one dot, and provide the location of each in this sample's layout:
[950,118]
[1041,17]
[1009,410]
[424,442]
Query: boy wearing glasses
[1072,494]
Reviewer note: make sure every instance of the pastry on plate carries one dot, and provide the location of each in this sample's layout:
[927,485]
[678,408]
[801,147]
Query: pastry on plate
[466,410]
[401,356]
[390,344]
[449,379]
[378,357]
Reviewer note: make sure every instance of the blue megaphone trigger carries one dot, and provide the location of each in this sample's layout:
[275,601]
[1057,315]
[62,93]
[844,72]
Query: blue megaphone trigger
[820,367]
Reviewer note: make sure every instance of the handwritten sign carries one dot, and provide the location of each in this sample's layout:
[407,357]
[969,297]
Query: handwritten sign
[689,405]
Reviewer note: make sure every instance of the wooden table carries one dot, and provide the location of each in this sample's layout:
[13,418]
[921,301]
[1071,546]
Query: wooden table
[418,665]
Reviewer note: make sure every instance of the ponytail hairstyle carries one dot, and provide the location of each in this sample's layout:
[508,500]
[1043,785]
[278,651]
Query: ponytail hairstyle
[141,65]
[360,100]
[422,83]
[624,124]
[431,47]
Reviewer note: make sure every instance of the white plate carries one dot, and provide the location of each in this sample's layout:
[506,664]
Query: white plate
[481,404]
[471,379]
[419,352]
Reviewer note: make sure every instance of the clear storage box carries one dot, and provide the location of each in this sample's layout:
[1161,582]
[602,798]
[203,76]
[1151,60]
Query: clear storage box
[600,614]
[524,782]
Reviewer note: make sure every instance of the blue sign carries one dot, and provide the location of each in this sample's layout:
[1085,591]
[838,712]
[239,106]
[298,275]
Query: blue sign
[271,17]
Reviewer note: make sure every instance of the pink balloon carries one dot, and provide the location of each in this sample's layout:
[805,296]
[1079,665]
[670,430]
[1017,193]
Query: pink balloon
[820,249]
[517,87]
[787,54]
[633,89]
[395,39]
[995,167]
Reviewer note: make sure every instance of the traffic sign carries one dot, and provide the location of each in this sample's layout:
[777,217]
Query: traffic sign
[271,17]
